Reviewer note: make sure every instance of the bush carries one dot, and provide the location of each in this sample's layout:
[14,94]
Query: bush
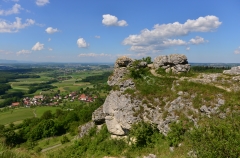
[38,149]
[143,133]
[64,139]
[219,138]
[176,135]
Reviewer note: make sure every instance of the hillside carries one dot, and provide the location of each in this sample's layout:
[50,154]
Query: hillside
[163,109]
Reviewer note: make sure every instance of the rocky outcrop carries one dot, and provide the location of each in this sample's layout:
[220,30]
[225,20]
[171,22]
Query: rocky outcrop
[123,62]
[119,112]
[176,63]
[233,71]
[120,69]
[98,116]
[84,129]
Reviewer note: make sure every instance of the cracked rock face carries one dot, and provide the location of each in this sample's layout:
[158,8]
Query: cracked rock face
[119,112]
[176,62]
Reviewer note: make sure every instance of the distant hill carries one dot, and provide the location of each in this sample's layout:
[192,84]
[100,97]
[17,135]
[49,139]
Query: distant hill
[8,61]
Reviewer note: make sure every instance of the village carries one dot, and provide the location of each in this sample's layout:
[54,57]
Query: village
[38,100]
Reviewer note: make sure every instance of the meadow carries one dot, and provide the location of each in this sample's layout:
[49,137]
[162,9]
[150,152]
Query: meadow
[17,115]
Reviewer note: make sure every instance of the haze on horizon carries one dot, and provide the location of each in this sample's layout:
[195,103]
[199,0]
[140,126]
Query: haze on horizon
[100,31]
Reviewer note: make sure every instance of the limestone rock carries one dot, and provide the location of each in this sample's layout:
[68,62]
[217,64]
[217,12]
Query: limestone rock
[123,62]
[84,129]
[98,116]
[118,74]
[233,71]
[113,126]
[126,84]
[119,112]
[176,62]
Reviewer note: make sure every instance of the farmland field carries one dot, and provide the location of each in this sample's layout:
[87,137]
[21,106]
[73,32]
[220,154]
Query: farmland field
[15,115]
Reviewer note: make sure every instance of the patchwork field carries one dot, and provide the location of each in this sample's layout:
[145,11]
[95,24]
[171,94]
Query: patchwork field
[69,85]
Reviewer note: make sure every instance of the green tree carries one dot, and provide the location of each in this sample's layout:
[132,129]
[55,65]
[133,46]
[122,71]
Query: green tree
[47,115]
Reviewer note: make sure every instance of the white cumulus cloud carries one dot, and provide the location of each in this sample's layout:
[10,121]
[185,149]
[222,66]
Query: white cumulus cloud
[160,37]
[82,43]
[110,20]
[42,2]
[7,27]
[51,30]
[50,49]
[14,10]
[188,48]
[38,46]
[94,55]
[23,52]
[197,40]
[237,51]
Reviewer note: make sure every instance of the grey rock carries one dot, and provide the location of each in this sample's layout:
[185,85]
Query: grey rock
[98,116]
[119,110]
[113,126]
[233,71]
[221,101]
[150,156]
[176,62]
[117,76]
[84,129]
[126,84]
[123,62]
[143,64]
[171,149]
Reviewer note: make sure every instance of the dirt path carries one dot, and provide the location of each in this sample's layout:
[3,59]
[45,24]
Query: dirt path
[34,112]
[154,73]
[50,148]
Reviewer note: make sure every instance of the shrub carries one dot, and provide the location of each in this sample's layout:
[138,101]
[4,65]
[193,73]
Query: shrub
[176,135]
[219,138]
[143,133]
[64,139]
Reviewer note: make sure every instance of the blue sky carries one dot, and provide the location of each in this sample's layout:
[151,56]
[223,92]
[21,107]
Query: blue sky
[101,31]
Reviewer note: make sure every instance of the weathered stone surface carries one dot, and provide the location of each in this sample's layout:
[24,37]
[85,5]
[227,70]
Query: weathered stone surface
[119,112]
[98,116]
[84,129]
[113,126]
[176,62]
[233,71]
[123,62]
[118,74]
[126,84]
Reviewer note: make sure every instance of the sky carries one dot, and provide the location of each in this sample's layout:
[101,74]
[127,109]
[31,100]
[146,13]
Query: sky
[206,31]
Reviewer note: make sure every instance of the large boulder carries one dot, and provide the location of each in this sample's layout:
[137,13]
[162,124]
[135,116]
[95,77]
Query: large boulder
[119,112]
[233,71]
[98,116]
[176,63]
[123,62]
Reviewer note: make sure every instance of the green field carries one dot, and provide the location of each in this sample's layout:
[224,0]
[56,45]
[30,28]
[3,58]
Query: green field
[16,115]
[64,86]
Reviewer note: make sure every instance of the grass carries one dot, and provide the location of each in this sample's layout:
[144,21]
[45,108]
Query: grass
[16,115]
[49,142]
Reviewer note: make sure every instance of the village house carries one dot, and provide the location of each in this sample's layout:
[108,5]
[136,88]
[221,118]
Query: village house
[15,104]
[82,97]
